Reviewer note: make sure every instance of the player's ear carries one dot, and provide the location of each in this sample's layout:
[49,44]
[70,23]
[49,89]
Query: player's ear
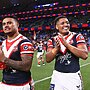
[56,27]
[18,24]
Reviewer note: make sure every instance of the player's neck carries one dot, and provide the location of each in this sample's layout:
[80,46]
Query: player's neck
[10,37]
[64,34]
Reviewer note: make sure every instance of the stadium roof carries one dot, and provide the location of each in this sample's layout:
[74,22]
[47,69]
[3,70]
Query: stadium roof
[10,3]
[9,6]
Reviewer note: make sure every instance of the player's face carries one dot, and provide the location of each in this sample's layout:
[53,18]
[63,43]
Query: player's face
[63,26]
[9,25]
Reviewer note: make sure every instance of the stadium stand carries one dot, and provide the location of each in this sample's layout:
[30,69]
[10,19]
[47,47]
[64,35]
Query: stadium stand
[38,16]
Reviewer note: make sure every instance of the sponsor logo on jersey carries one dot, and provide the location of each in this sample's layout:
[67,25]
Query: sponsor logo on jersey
[66,58]
[25,47]
[15,48]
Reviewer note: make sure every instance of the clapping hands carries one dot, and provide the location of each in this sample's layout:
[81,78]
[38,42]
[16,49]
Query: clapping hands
[1,55]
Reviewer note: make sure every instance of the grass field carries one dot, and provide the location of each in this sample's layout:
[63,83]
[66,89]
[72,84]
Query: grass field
[41,75]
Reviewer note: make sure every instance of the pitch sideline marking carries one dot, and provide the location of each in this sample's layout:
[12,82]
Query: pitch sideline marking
[50,76]
[84,65]
[42,80]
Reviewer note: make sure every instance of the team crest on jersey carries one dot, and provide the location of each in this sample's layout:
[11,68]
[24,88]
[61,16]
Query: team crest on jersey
[25,47]
[71,42]
[81,37]
[15,48]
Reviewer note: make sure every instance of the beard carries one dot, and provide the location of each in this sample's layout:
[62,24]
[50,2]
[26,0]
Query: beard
[9,33]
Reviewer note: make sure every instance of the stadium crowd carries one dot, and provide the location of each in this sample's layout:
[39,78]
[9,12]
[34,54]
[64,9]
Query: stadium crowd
[37,24]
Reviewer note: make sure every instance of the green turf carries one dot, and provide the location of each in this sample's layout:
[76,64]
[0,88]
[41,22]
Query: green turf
[39,73]
[43,71]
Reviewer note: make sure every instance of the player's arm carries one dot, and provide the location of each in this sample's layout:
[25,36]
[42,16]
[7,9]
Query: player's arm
[26,58]
[23,65]
[50,55]
[81,50]
[51,52]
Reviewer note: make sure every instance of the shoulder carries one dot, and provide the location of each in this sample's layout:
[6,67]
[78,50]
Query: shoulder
[77,35]
[80,38]
[3,42]
[25,41]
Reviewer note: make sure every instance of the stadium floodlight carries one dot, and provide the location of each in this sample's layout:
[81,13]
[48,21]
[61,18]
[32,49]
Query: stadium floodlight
[46,5]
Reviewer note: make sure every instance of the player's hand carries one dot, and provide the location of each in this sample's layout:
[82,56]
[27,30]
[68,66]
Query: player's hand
[63,41]
[57,41]
[1,56]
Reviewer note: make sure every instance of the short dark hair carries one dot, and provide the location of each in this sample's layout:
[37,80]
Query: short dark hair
[57,19]
[14,17]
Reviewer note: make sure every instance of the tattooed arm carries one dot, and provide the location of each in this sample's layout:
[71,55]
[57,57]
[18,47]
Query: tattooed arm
[23,65]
